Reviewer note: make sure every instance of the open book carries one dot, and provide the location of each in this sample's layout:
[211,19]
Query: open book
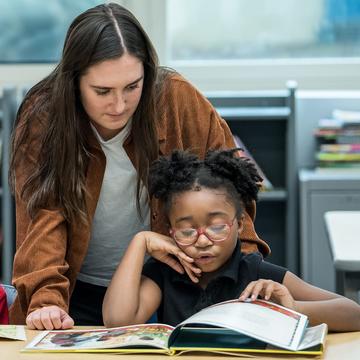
[228,327]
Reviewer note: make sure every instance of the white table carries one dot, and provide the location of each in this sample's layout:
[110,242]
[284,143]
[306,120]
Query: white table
[343,228]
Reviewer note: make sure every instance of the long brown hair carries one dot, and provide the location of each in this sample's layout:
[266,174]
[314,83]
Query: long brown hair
[58,178]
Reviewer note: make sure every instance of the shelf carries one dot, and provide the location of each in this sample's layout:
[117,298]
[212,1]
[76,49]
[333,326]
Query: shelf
[266,113]
[273,195]
[265,123]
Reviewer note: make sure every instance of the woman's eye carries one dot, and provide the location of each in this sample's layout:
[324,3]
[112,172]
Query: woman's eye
[102,92]
[132,87]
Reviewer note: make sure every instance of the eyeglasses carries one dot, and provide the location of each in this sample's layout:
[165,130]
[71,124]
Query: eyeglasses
[215,233]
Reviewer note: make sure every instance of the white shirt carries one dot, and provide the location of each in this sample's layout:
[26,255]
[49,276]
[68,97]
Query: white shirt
[116,219]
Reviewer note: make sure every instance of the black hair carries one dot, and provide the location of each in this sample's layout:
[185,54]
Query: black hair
[221,169]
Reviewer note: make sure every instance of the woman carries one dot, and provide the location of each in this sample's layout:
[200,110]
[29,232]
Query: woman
[83,142]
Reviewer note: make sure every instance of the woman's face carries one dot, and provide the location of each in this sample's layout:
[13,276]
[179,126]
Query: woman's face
[110,93]
[200,210]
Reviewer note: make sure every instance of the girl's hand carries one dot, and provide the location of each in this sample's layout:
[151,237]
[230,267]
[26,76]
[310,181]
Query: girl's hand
[269,290]
[165,249]
[49,318]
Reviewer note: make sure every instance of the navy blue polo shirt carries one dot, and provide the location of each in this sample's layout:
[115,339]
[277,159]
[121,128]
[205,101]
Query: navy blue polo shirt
[182,298]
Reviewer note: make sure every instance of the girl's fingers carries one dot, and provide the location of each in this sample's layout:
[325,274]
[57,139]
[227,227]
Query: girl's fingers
[191,275]
[246,293]
[175,250]
[185,260]
[185,257]
[256,290]
[162,248]
[191,271]
[173,263]
[269,289]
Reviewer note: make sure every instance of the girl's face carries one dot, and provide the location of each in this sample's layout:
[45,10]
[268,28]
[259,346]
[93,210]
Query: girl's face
[110,93]
[199,210]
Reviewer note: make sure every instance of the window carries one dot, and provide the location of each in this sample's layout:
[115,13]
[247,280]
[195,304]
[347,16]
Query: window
[33,31]
[314,42]
[258,29]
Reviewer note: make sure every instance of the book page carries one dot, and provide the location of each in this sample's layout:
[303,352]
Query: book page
[259,319]
[14,332]
[313,336]
[144,336]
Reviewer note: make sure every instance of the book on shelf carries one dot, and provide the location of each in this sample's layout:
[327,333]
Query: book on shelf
[266,183]
[341,157]
[340,148]
[337,136]
[338,141]
[231,327]
[338,170]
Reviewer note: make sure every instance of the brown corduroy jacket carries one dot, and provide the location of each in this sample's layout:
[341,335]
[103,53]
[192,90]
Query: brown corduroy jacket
[50,251]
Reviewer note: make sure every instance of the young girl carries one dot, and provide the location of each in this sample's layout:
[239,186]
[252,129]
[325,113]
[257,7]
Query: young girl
[204,202]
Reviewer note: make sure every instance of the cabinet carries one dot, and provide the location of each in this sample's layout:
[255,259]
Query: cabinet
[8,107]
[265,123]
[321,192]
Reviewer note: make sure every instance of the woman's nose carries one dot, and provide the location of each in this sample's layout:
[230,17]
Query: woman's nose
[119,103]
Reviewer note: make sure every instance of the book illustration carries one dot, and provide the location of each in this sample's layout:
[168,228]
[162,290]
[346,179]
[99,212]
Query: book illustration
[266,183]
[154,335]
[14,332]
[229,327]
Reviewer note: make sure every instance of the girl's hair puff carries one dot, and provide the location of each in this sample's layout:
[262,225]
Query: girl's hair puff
[239,170]
[183,171]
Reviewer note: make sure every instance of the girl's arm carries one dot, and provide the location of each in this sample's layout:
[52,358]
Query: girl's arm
[321,306]
[132,298]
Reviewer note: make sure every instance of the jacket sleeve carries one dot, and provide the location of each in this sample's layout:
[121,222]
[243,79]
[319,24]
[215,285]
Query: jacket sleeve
[201,128]
[39,269]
